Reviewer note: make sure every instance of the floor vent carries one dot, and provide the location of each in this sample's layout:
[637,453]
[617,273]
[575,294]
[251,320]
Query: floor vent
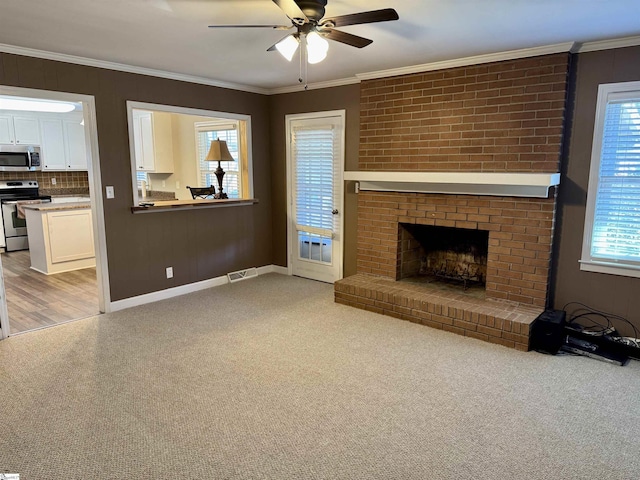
[242,274]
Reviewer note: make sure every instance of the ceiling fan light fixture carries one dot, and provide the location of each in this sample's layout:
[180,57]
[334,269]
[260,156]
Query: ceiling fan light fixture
[288,46]
[317,48]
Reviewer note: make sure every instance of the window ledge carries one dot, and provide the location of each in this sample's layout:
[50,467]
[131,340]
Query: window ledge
[173,205]
[611,268]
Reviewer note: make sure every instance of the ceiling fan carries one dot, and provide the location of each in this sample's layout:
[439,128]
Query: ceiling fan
[307,17]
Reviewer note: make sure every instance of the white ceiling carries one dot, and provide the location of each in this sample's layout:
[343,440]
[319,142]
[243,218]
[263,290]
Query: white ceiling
[172,35]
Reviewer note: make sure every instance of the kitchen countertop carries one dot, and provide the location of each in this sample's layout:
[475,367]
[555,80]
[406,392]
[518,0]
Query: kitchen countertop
[50,207]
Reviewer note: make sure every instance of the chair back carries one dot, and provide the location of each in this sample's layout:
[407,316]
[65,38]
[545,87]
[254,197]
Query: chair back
[202,192]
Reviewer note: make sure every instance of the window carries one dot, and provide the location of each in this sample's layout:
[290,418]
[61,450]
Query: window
[206,132]
[612,225]
[141,177]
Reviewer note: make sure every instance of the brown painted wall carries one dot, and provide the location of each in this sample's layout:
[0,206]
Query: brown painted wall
[337,98]
[610,293]
[199,244]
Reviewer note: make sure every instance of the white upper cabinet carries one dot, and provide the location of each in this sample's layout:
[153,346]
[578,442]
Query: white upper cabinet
[52,149]
[6,130]
[63,144]
[153,141]
[19,130]
[76,147]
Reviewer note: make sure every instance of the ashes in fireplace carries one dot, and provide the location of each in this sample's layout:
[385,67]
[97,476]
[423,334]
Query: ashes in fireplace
[443,254]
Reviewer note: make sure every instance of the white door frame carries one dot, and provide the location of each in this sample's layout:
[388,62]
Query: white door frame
[340,184]
[95,190]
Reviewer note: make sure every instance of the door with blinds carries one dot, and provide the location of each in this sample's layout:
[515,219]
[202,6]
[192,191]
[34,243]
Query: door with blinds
[315,159]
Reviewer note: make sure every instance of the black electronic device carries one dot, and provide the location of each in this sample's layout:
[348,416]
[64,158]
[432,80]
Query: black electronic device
[615,345]
[547,331]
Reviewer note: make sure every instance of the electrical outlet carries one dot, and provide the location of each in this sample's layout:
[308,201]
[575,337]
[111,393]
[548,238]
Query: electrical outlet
[110,192]
[164,183]
[53,180]
[169,272]
[177,185]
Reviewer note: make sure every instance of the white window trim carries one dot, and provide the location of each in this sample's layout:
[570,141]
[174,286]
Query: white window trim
[219,125]
[606,92]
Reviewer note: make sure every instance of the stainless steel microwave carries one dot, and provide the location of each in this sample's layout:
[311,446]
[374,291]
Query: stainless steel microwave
[19,158]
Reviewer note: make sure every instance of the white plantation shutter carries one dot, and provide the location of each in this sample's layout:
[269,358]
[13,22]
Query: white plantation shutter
[314,149]
[229,133]
[612,226]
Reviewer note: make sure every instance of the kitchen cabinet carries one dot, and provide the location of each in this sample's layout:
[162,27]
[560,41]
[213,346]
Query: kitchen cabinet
[153,141]
[19,130]
[60,237]
[52,150]
[76,147]
[63,144]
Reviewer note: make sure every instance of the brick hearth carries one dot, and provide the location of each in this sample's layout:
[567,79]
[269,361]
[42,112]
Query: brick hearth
[502,322]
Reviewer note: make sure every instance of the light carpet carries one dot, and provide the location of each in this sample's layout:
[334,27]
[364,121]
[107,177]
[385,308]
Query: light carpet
[269,379]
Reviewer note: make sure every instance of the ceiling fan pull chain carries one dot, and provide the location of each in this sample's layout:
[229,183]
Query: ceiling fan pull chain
[300,56]
[306,69]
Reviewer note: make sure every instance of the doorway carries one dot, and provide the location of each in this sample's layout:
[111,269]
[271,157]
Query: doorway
[315,166]
[66,293]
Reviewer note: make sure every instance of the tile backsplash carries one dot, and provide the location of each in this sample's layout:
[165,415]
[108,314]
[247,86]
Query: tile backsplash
[67,183]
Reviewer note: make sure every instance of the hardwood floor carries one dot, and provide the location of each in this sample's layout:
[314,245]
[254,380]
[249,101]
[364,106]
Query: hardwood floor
[35,300]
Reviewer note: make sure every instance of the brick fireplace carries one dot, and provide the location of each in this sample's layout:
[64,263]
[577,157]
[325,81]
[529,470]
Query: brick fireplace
[503,117]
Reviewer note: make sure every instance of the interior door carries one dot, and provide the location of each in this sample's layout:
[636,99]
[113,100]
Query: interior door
[315,160]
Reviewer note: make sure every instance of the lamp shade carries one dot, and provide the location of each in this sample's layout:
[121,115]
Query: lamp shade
[287,46]
[317,48]
[218,152]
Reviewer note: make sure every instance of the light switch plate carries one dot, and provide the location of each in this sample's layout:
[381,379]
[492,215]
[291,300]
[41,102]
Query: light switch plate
[110,192]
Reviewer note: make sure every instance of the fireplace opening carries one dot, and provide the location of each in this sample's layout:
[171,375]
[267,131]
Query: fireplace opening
[443,256]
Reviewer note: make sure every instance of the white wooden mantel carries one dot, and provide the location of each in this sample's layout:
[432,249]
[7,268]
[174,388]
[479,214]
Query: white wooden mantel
[461,183]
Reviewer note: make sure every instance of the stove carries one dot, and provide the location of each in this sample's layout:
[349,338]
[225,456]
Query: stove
[14,226]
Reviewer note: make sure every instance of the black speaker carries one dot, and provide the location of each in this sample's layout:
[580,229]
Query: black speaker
[547,331]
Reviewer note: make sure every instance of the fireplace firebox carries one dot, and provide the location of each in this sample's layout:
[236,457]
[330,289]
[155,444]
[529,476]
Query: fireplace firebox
[457,256]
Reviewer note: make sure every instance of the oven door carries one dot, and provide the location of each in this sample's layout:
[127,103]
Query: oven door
[15,225]
[15,229]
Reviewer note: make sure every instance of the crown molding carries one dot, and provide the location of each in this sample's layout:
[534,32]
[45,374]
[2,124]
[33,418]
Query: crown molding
[573,47]
[467,61]
[607,44]
[122,67]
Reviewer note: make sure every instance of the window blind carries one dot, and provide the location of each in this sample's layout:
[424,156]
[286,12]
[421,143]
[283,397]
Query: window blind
[142,177]
[314,149]
[616,224]
[231,182]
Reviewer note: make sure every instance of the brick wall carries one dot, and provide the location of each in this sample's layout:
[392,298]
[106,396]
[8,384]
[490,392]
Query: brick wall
[499,117]
[520,236]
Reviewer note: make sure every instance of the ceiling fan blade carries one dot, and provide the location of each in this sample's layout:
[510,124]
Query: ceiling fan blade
[384,15]
[275,27]
[292,10]
[347,38]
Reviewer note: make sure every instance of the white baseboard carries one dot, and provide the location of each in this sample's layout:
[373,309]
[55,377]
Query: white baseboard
[184,289]
[273,269]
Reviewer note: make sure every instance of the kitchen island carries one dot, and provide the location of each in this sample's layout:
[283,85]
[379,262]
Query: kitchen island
[60,236]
